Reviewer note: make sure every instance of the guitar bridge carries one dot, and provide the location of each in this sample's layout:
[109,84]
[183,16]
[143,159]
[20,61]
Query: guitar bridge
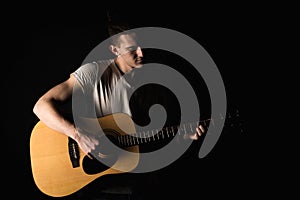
[73,152]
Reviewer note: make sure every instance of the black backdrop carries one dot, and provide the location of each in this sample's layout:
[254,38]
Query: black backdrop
[43,48]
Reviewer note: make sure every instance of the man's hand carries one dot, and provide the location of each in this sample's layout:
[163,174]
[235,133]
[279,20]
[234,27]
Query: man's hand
[195,136]
[86,141]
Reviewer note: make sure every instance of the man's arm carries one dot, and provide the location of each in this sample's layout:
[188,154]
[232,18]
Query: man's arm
[46,110]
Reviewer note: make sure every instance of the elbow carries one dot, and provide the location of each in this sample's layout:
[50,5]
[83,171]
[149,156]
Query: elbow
[36,108]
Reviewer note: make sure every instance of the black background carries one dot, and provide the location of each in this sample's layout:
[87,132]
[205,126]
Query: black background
[45,45]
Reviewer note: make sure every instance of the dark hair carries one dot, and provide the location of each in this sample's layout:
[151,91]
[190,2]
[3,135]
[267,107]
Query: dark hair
[117,22]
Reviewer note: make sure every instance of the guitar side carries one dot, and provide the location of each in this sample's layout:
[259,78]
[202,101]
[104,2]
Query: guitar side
[52,169]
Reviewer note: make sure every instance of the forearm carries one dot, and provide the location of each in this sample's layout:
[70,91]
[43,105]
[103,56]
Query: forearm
[47,112]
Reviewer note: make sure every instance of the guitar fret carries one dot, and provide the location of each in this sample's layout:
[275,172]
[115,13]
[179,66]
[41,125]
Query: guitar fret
[124,139]
[183,129]
[148,136]
[145,139]
[212,121]
[192,130]
[119,140]
[141,138]
[137,138]
[167,132]
[130,139]
[133,138]
[173,131]
[178,130]
[153,135]
[127,140]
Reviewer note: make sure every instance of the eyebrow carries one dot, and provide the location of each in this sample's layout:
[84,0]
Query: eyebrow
[130,48]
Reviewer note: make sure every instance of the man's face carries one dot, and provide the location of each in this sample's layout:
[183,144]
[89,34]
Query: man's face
[129,50]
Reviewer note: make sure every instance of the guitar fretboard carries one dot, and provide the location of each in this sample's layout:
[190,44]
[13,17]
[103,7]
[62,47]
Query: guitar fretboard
[157,135]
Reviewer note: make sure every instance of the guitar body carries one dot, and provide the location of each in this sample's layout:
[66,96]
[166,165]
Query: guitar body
[52,168]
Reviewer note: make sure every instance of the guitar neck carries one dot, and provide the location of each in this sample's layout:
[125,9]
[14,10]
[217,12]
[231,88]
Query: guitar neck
[167,133]
[158,135]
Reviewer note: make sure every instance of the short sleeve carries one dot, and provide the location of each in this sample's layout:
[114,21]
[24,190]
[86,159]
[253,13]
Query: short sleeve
[86,74]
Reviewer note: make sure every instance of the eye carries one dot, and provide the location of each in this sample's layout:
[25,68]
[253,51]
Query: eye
[131,48]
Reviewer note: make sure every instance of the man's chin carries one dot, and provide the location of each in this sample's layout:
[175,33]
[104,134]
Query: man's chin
[138,66]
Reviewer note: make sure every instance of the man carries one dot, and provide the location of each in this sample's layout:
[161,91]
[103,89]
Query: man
[96,82]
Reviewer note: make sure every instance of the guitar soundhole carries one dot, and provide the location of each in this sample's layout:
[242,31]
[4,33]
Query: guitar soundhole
[103,158]
[94,166]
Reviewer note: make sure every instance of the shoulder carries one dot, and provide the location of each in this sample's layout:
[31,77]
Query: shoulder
[93,68]
[102,64]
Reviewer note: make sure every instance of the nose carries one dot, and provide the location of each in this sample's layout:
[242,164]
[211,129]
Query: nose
[139,52]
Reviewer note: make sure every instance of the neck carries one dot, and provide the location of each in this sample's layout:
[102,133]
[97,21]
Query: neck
[122,65]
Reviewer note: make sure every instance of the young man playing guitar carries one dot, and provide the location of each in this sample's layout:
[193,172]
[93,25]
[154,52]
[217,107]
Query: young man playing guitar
[95,81]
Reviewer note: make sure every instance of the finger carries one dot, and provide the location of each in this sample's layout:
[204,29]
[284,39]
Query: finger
[201,128]
[194,136]
[86,150]
[90,155]
[199,131]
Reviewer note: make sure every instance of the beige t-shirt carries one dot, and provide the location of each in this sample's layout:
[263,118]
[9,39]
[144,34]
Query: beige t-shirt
[104,90]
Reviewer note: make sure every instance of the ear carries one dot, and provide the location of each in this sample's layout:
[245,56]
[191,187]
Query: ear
[114,49]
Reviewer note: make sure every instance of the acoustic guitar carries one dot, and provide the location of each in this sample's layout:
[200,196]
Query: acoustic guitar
[60,167]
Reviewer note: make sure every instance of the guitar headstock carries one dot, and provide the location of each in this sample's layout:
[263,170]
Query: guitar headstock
[232,120]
